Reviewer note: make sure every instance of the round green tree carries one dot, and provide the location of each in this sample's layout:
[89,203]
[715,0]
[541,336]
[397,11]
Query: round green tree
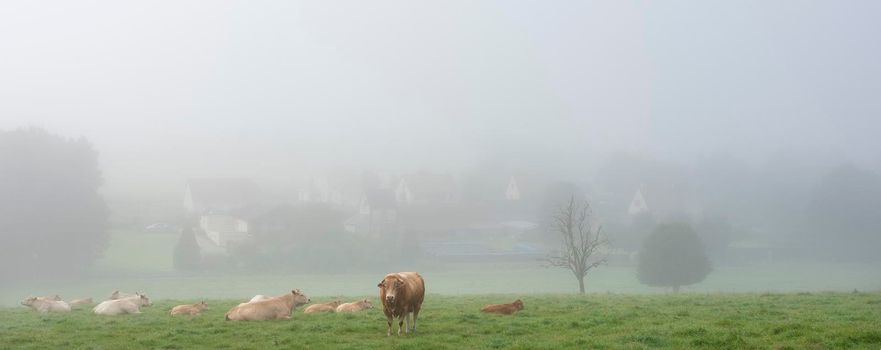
[672,256]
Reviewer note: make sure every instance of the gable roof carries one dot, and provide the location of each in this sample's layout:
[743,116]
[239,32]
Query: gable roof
[637,205]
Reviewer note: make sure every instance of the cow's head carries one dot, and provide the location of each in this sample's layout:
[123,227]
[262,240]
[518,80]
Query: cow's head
[114,295]
[390,285]
[202,305]
[143,299]
[300,298]
[29,301]
[518,304]
[367,304]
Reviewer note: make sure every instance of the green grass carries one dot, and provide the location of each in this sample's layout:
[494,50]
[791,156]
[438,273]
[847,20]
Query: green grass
[594,321]
[142,262]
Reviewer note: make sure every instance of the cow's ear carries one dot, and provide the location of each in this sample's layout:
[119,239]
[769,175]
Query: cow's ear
[381,284]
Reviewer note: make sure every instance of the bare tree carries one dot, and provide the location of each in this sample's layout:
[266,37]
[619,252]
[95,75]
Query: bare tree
[581,242]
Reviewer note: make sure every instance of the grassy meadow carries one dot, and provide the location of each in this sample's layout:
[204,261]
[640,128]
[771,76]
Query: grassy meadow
[593,321]
[142,262]
[757,306]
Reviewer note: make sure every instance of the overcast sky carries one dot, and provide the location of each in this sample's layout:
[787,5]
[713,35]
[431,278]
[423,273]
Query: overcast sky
[172,89]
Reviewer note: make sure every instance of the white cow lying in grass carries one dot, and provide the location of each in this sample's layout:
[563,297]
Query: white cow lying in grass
[55,297]
[44,305]
[119,295]
[129,305]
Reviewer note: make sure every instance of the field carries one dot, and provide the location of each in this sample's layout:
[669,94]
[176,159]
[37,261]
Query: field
[138,262]
[594,321]
[751,306]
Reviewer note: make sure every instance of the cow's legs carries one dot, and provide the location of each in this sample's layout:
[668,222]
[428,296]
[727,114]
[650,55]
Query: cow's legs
[406,322]
[415,315]
[400,324]
[389,332]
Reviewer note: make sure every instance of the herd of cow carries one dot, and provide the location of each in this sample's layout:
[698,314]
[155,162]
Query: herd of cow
[401,294]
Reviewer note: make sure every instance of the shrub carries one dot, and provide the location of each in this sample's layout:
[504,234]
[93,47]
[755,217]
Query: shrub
[672,256]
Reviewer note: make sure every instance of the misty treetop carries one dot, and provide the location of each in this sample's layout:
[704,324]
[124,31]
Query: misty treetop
[52,217]
[844,215]
[672,256]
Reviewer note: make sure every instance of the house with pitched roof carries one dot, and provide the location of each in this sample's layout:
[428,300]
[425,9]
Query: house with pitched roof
[377,214]
[212,203]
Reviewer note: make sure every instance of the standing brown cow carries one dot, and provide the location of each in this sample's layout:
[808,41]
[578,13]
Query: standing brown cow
[401,294]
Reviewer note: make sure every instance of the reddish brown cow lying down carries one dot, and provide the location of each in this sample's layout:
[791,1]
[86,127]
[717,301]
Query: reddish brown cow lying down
[269,309]
[505,309]
[401,295]
[189,309]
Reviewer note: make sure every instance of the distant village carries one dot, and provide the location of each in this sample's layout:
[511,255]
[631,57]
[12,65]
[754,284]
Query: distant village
[503,219]
[428,209]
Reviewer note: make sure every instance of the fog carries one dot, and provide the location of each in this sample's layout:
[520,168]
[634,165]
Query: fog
[757,117]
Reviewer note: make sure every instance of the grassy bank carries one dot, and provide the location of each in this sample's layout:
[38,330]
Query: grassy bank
[596,321]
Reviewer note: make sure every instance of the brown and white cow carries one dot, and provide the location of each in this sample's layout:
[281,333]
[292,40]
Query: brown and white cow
[326,307]
[269,309]
[401,294]
[189,309]
[355,306]
[43,305]
[505,309]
